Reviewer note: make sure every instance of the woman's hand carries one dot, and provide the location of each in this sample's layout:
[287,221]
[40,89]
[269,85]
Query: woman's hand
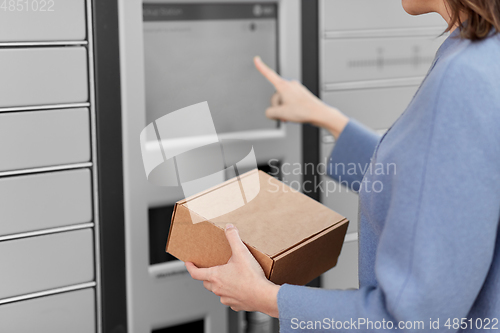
[241,283]
[293,102]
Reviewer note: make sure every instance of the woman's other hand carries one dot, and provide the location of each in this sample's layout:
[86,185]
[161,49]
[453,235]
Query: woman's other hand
[293,102]
[241,283]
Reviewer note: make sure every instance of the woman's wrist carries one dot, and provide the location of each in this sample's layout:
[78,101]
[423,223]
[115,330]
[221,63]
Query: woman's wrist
[329,118]
[268,299]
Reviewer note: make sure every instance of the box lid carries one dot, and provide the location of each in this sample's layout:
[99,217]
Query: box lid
[275,209]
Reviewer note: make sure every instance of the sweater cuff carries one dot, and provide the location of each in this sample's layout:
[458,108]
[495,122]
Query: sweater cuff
[298,304]
[352,153]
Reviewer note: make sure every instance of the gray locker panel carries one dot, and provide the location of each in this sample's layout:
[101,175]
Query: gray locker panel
[37,76]
[69,312]
[370,14]
[348,60]
[42,20]
[345,274]
[44,138]
[376,108]
[344,202]
[337,197]
[46,262]
[46,200]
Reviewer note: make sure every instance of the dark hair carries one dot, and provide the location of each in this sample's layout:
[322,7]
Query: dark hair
[481,16]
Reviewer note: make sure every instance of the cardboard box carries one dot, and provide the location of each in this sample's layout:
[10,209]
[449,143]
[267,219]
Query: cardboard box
[293,237]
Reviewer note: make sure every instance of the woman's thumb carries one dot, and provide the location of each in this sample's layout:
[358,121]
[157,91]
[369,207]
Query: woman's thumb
[276,112]
[233,237]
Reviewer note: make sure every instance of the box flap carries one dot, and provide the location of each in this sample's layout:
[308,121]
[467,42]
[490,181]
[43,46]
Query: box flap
[291,217]
[207,244]
[311,258]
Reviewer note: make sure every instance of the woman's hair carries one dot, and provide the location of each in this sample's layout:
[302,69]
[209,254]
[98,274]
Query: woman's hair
[481,16]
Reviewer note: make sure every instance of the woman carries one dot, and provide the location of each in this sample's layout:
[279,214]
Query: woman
[429,242]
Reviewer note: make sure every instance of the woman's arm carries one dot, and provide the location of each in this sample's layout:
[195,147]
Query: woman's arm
[355,143]
[439,237]
[432,259]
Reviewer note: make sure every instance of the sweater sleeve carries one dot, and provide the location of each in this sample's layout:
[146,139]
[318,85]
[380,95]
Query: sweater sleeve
[351,154]
[433,254]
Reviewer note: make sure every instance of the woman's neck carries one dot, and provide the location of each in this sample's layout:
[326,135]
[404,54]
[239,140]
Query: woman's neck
[443,11]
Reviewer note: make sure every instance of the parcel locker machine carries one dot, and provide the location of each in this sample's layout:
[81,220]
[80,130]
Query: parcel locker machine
[175,54]
[80,81]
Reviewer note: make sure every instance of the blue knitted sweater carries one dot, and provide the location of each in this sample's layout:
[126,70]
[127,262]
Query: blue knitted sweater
[429,243]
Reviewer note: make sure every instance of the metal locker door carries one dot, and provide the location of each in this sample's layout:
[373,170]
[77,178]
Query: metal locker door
[50,75]
[376,108]
[43,21]
[46,262]
[55,199]
[60,313]
[367,16]
[33,139]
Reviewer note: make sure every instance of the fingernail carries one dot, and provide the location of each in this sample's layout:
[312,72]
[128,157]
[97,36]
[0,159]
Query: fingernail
[257,58]
[229,226]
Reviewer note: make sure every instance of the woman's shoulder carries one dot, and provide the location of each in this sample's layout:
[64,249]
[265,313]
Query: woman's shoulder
[473,65]
[467,79]
[461,97]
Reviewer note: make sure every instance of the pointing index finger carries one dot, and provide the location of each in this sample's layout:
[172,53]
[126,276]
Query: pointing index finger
[268,73]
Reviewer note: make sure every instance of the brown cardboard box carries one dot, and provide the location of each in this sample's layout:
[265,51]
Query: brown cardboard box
[293,237]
